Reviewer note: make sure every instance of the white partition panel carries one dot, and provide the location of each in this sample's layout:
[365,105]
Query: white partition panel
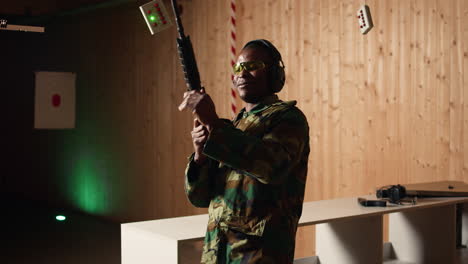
[158,241]
[464,237]
[143,247]
[424,236]
[351,241]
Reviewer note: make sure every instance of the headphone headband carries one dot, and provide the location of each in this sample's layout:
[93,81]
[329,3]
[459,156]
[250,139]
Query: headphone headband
[275,54]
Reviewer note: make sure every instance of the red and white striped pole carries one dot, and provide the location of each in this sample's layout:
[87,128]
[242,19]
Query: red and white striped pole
[233,56]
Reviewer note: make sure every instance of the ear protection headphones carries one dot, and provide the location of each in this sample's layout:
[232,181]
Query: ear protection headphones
[276,71]
[394,193]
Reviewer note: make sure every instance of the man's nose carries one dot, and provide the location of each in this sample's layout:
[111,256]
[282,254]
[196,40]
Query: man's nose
[244,72]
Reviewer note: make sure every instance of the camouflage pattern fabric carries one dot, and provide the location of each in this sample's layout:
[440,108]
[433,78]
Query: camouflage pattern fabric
[253,183]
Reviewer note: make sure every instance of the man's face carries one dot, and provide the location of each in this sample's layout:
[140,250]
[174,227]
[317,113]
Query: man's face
[253,86]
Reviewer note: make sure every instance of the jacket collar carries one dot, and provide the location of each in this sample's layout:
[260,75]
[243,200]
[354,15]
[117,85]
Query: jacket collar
[261,106]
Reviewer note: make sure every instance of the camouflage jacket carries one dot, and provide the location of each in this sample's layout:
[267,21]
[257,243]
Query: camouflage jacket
[253,184]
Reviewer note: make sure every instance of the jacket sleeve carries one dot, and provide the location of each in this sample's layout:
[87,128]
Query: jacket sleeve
[199,182]
[268,159]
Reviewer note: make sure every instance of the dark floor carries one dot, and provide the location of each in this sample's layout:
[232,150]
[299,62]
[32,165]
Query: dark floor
[30,234]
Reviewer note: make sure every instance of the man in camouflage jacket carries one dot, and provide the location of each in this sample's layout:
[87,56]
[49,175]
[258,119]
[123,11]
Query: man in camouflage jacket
[250,172]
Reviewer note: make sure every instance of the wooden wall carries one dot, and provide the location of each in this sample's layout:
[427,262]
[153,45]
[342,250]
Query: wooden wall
[384,108]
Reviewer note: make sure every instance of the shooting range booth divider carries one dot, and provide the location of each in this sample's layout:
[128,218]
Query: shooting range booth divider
[346,232]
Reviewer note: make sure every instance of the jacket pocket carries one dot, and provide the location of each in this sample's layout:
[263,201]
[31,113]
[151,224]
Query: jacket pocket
[248,226]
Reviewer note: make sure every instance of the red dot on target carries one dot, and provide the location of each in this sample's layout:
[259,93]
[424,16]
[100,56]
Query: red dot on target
[56,100]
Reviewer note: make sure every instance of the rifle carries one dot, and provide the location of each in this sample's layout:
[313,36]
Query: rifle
[186,54]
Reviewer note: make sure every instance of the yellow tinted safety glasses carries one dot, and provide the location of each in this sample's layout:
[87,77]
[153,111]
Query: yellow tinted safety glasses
[248,66]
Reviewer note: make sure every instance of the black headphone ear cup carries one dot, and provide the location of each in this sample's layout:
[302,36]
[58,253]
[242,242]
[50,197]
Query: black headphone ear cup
[277,78]
[281,78]
[272,73]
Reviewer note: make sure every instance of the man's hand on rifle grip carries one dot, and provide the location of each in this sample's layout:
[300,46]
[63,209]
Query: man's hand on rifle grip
[199,137]
[202,107]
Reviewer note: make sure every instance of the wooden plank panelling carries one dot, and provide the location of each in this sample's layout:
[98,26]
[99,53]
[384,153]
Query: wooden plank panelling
[383,108]
[386,107]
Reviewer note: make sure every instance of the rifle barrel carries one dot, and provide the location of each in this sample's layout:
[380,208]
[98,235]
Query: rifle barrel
[180,28]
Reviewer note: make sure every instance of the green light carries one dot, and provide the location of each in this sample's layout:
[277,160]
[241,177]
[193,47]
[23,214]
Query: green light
[60,218]
[87,184]
[88,165]
[152,18]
